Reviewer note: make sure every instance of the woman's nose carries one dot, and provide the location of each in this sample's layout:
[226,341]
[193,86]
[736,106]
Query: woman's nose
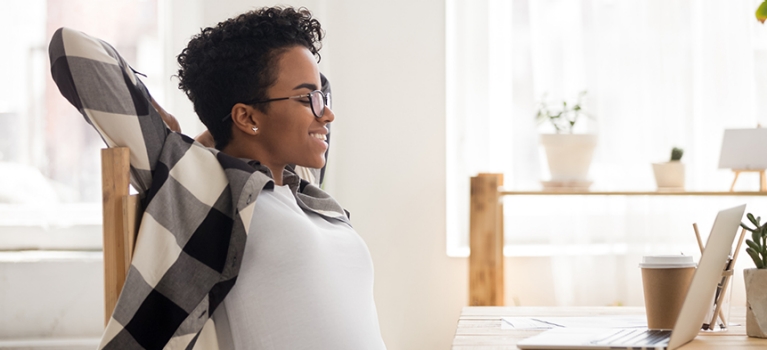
[328,116]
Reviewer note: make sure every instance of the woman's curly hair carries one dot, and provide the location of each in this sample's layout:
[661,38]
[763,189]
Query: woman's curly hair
[236,61]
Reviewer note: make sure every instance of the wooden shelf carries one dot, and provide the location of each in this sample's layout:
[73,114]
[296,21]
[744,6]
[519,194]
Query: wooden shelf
[626,193]
[486,223]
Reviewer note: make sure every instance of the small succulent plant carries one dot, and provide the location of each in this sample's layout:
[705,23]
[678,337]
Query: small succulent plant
[676,154]
[757,245]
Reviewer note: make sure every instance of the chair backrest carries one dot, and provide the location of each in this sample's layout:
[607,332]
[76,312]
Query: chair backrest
[121,213]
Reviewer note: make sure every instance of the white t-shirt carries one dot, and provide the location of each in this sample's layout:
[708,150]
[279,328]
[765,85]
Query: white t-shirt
[305,282]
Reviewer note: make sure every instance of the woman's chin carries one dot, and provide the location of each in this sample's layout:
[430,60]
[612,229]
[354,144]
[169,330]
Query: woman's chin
[315,164]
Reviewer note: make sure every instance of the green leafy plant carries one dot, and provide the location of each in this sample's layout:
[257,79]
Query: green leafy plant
[761,12]
[757,245]
[676,154]
[561,115]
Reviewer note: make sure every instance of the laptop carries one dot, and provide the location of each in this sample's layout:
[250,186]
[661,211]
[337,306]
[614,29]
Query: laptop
[697,304]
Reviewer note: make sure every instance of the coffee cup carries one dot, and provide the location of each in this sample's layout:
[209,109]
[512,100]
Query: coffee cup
[665,280]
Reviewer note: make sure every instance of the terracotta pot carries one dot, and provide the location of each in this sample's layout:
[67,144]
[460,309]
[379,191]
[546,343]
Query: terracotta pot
[756,302]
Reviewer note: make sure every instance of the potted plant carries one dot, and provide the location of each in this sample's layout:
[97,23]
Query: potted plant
[669,176]
[756,279]
[568,154]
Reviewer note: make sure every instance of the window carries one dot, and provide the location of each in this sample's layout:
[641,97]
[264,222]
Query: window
[50,194]
[659,74]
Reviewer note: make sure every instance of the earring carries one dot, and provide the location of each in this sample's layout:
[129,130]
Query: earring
[255,128]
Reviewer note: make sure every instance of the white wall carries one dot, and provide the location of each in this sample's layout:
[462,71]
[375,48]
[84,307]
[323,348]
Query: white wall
[388,165]
[386,62]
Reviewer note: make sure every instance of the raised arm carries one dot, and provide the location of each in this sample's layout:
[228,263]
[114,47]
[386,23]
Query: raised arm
[95,79]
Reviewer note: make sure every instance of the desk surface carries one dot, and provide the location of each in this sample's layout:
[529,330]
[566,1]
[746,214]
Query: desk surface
[631,193]
[480,327]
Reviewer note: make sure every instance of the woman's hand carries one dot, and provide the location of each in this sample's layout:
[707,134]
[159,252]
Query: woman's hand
[169,119]
[206,139]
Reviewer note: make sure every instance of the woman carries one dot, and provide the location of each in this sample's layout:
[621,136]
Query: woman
[236,213]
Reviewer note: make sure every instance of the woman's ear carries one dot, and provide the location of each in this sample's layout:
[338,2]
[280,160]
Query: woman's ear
[244,118]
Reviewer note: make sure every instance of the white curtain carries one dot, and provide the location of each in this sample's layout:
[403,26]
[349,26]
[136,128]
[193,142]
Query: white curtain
[658,73]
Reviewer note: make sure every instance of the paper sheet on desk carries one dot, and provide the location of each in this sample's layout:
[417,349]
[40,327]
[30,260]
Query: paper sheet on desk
[630,321]
[523,323]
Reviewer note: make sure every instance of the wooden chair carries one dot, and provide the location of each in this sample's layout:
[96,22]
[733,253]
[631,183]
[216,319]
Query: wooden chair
[121,215]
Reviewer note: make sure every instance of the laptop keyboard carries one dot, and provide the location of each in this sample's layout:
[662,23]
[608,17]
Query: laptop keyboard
[635,338]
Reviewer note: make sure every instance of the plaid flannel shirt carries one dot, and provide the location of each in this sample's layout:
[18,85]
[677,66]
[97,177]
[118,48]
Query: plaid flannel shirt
[198,202]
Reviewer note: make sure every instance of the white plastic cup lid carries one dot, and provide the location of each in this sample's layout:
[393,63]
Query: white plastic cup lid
[666,261]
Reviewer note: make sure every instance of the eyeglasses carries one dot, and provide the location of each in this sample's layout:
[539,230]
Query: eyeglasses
[317,100]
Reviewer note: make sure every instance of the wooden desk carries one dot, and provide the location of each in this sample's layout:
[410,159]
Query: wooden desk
[479,327]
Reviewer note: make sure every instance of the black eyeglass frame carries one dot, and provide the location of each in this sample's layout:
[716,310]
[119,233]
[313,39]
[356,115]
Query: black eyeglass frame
[325,99]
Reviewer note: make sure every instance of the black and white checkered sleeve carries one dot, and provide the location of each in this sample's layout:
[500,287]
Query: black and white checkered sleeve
[102,86]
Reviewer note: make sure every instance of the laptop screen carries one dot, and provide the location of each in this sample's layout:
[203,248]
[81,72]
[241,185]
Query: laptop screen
[700,295]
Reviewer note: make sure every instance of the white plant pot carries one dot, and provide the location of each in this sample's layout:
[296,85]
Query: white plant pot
[669,175]
[569,156]
[756,302]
